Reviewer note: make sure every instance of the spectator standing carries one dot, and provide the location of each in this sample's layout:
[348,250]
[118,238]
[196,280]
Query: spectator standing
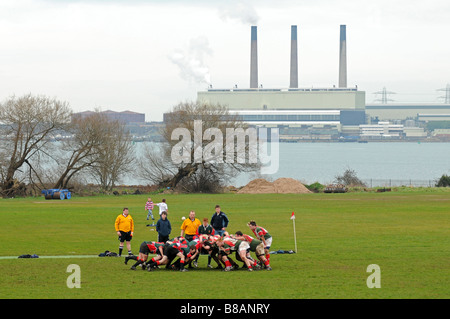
[162,206]
[219,221]
[205,228]
[149,207]
[163,228]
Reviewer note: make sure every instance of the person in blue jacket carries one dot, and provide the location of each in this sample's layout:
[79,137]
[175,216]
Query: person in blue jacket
[219,221]
[163,228]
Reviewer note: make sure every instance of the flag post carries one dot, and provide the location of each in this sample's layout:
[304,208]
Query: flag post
[295,234]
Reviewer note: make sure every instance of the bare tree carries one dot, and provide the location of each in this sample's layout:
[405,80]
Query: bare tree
[115,156]
[28,123]
[82,149]
[202,167]
[97,145]
[153,165]
[349,178]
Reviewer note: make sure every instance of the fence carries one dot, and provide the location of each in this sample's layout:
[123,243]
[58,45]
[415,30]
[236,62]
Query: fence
[398,182]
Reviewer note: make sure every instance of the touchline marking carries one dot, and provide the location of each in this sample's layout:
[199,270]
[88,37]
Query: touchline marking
[65,256]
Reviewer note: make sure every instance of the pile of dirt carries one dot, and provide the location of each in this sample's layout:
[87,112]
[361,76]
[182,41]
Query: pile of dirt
[280,186]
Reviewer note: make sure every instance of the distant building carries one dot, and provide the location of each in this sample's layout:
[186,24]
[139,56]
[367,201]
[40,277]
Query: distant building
[380,130]
[125,117]
[386,130]
[403,111]
[286,99]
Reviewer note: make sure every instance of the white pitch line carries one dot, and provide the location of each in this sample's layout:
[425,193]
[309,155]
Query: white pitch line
[65,256]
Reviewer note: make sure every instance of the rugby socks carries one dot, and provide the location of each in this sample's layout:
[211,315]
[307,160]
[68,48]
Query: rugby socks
[120,251]
[148,262]
[153,263]
[130,257]
[138,262]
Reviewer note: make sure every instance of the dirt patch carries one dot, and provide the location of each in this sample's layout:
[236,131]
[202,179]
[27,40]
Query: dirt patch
[280,186]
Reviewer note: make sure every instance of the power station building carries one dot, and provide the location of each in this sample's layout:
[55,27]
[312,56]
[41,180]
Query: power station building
[317,113]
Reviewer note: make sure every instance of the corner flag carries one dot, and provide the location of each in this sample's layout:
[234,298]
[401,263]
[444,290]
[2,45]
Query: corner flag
[295,235]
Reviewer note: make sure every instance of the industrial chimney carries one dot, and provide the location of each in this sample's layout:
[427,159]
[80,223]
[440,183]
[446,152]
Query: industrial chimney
[343,58]
[254,60]
[294,58]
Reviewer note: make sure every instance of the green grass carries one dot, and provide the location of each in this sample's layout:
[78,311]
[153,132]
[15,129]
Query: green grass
[405,232]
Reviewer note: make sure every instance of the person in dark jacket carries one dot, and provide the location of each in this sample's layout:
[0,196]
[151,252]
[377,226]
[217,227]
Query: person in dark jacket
[219,221]
[163,228]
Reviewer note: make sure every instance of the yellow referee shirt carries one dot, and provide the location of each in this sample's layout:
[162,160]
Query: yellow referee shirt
[124,224]
[190,227]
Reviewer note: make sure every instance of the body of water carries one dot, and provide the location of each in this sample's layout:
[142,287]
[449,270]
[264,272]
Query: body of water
[377,164]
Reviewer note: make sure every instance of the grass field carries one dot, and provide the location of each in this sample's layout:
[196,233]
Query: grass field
[406,233]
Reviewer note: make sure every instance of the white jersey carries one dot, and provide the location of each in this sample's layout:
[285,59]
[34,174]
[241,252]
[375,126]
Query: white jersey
[162,207]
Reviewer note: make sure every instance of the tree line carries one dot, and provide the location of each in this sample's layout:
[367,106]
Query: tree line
[100,148]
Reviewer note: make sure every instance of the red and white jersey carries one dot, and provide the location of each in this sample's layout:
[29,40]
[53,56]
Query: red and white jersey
[202,237]
[151,246]
[149,205]
[230,243]
[181,247]
[198,243]
[260,232]
[248,238]
[213,239]
[180,239]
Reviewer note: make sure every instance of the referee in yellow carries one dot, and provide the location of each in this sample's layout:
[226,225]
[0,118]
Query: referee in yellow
[124,229]
[189,226]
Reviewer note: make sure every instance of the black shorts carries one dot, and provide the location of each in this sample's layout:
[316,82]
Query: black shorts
[163,239]
[170,252]
[189,237]
[125,236]
[214,250]
[143,249]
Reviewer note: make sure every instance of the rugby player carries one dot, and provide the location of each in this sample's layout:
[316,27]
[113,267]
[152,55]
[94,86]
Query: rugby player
[256,246]
[263,235]
[147,247]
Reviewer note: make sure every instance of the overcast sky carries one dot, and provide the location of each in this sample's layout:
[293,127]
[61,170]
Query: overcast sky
[147,56]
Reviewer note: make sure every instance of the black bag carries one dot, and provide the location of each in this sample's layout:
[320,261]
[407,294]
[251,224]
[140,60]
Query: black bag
[107,253]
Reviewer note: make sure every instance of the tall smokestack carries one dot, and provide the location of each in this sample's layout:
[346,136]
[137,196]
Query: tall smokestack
[294,59]
[254,60]
[343,58]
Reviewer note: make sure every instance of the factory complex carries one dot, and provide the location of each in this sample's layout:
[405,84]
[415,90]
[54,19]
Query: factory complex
[338,113]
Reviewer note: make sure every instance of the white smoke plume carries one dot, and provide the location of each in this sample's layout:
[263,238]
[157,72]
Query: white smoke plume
[241,11]
[191,61]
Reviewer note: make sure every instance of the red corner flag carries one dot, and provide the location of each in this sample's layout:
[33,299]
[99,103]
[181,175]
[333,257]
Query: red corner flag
[295,236]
